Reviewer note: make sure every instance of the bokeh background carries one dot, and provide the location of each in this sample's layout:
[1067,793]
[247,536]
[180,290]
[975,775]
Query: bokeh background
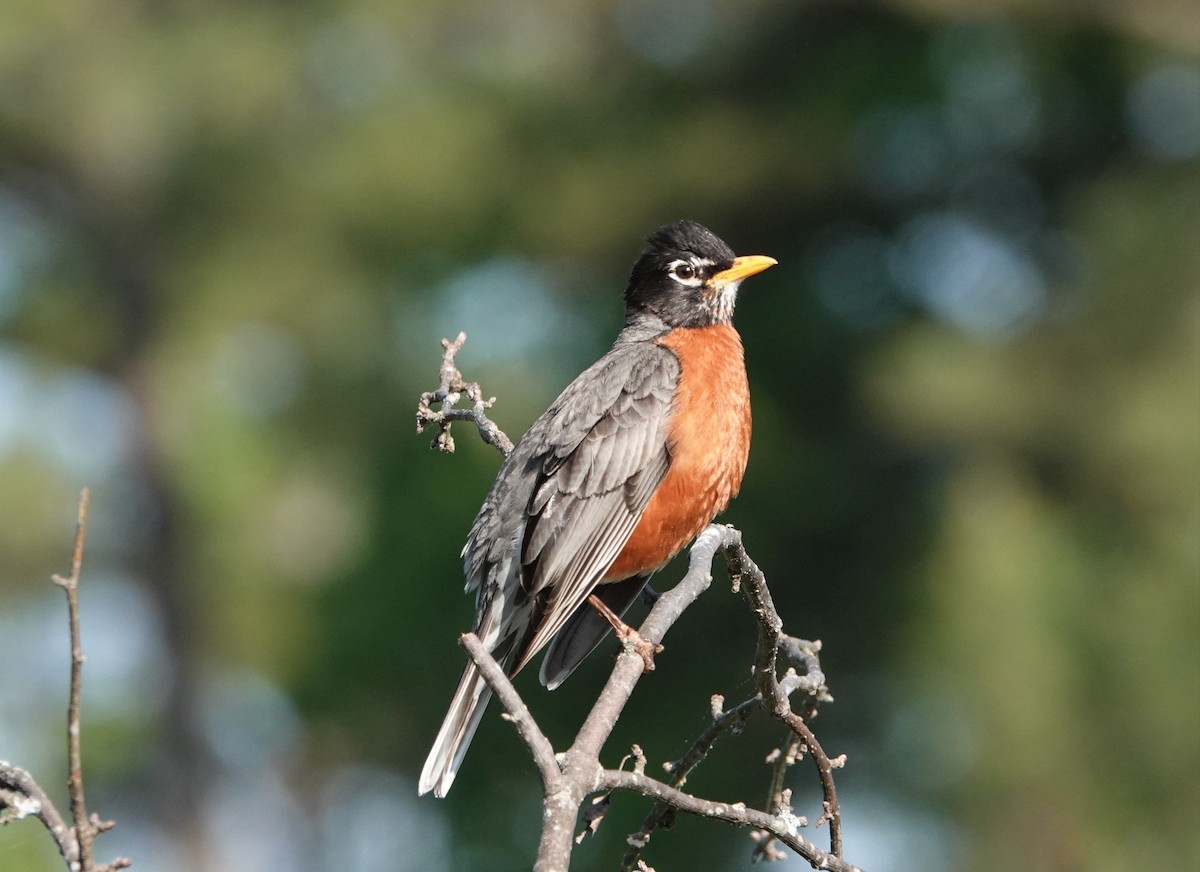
[232,234]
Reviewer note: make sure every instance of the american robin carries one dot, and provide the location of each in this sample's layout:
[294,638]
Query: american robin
[624,469]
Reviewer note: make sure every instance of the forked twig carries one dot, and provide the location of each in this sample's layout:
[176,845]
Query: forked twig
[662,813]
[447,395]
[753,583]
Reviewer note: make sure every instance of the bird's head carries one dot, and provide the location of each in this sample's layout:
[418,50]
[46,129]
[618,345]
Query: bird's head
[687,277]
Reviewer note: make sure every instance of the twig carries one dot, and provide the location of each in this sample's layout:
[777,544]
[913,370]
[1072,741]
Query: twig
[753,583]
[85,832]
[803,653]
[782,759]
[447,395]
[20,793]
[749,579]
[825,767]
[662,812]
[87,827]
[784,827]
[21,796]
[514,707]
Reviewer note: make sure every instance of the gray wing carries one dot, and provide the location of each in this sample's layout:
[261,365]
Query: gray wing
[568,497]
[586,629]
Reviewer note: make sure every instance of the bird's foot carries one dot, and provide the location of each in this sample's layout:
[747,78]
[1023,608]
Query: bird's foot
[643,647]
[630,638]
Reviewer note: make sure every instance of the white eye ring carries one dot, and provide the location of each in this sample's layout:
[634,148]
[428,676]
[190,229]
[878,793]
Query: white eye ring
[685,272]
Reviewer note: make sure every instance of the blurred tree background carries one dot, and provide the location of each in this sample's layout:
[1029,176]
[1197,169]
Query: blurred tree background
[232,234]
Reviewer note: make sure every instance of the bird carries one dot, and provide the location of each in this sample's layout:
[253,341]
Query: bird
[636,456]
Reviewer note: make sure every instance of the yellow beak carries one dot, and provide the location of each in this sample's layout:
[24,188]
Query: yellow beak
[742,267]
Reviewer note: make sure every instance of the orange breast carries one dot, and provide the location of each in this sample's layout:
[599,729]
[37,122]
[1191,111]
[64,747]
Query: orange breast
[709,439]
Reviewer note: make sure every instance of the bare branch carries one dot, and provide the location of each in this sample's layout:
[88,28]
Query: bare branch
[783,827]
[753,584]
[447,395]
[83,828]
[630,666]
[514,707]
[20,794]
[662,812]
[781,760]
[748,579]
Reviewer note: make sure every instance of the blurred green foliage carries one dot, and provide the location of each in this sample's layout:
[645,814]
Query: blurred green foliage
[231,236]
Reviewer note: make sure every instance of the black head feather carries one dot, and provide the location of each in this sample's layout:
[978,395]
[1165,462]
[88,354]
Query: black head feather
[669,281]
[690,237]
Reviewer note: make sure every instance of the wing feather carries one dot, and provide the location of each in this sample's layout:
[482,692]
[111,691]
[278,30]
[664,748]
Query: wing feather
[570,495]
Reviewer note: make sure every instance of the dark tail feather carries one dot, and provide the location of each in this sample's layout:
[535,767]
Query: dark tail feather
[585,629]
[453,739]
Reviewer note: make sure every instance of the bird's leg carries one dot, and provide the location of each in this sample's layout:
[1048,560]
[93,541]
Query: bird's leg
[650,595]
[627,634]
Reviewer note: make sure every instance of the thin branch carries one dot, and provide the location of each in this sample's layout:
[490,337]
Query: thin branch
[781,759]
[722,722]
[825,767]
[749,579]
[514,707]
[753,583]
[447,395]
[581,769]
[783,827]
[804,654]
[662,812]
[83,829]
[20,794]
[630,666]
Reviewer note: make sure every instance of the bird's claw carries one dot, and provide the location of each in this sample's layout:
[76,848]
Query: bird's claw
[630,638]
[638,644]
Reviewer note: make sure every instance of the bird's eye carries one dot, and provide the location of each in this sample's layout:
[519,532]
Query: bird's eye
[683,271]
